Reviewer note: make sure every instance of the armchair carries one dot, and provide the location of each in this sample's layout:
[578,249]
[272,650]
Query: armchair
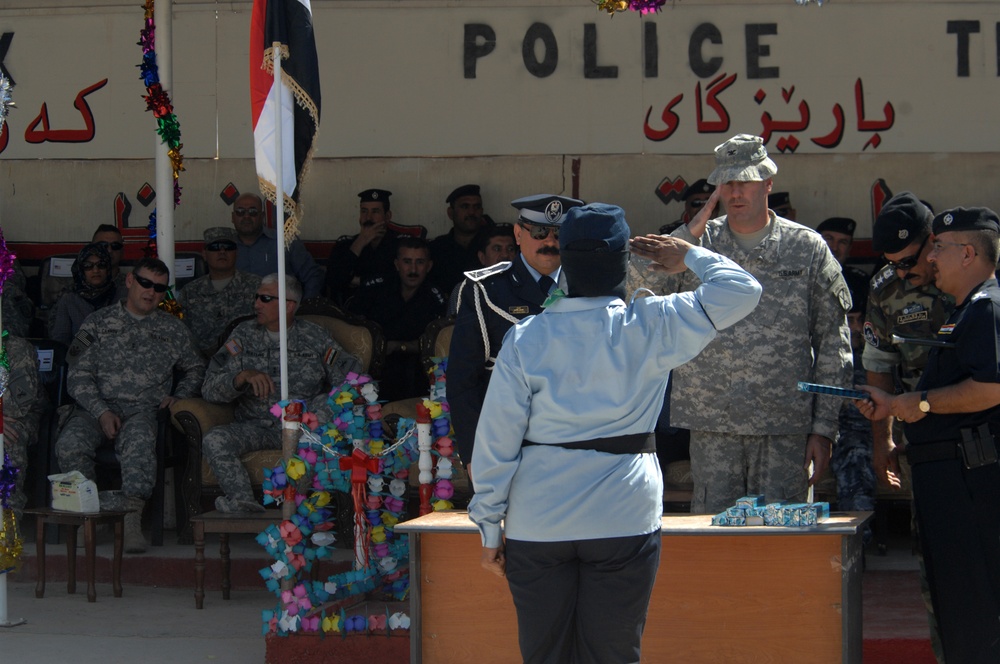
[194,417]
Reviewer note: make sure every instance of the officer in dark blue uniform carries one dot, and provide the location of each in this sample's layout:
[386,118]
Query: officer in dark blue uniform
[492,299]
[953,419]
[357,259]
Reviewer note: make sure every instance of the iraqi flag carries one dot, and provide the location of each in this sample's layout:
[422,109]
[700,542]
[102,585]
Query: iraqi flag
[288,22]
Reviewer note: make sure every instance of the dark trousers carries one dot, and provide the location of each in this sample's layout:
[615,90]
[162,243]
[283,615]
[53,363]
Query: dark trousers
[583,601]
[958,515]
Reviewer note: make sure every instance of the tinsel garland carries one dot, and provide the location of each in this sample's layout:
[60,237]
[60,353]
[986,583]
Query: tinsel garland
[641,6]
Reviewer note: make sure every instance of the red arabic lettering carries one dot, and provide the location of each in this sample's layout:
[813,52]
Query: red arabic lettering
[33,135]
[833,139]
[872,125]
[669,118]
[715,87]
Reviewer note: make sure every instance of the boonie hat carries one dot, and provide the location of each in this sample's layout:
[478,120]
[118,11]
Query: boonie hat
[544,209]
[743,158]
[902,220]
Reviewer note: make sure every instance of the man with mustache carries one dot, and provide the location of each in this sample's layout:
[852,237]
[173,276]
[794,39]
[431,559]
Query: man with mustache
[903,300]
[454,252]
[752,431]
[356,259]
[403,304]
[492,299]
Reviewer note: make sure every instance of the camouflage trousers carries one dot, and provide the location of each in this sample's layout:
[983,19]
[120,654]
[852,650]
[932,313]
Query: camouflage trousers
[224,445]
[135,447]
[18,456]
[726,466]
[852,466]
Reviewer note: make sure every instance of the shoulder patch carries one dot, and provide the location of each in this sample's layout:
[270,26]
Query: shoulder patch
[870,337]
[882,277]
[482,273]
[331,355]
[81,342]
[234,347]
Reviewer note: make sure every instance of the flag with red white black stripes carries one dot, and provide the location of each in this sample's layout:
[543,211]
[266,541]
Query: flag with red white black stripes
[287,23]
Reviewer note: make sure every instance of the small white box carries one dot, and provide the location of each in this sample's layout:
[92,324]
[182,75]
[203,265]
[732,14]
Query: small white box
[72,492]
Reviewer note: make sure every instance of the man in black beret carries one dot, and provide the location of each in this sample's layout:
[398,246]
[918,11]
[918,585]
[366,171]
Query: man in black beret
[695,196]
[780,202]
[838,232]
[366,256]
[454,252]
[952,422]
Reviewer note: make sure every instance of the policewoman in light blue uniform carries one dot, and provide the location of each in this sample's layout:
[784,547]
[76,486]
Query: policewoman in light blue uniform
[564,454]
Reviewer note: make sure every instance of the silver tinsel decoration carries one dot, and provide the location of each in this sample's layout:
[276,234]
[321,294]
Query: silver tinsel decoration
[6,101]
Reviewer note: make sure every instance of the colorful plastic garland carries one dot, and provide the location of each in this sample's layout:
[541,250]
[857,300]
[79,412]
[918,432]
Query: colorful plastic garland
[641,6]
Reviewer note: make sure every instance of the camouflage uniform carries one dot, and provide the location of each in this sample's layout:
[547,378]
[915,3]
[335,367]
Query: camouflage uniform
[207,312]
[739,397]
[896,307]
[23,403]
[125,365]
[316,364]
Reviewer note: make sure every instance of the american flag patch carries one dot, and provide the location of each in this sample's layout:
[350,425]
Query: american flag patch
[234,348]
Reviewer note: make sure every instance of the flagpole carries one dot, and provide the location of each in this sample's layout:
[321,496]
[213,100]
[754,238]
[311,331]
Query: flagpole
[163,18]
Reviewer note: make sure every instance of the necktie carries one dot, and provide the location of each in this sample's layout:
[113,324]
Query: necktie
[546,283]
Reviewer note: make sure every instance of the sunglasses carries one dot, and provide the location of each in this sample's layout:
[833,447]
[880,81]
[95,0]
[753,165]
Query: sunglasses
[88,267]
[220,245]
[267,299]
[908,262]
[540,232]
[246,212]
[114,246]
[697,203]
[147,283]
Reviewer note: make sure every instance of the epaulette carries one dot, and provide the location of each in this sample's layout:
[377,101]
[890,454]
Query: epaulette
[438,294]
[482,273]
[374,281]
[978,296]
[884,276]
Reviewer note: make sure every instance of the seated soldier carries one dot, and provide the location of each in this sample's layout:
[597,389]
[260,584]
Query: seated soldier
[211,302]
[23,403]
[247,371]
[130,360]
[17,308]
[402,305]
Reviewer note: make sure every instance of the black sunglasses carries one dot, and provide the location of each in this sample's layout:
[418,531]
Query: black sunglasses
[100,265]
[147,283]
[267,299]
[908,262]
[540,232]
[115,246]
[246,212]
[220,245]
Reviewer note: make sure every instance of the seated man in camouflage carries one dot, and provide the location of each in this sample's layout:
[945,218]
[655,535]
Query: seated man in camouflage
[23,403]
[126,357]
[246,370]
[213,301]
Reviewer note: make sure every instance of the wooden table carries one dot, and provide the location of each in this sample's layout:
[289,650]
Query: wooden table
[751,594]
[89,521]
[224,524]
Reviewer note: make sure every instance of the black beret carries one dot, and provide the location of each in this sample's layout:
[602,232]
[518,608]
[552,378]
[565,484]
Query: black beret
[838,225]
[698,187]
[464,190]
[966,219]
[902,220]
[375,196]
[778,198]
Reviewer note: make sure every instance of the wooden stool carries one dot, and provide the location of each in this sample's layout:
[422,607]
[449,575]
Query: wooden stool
[89,521]
[224,524]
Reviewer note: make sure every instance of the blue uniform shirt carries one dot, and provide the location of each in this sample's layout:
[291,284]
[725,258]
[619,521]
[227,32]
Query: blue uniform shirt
[591,368]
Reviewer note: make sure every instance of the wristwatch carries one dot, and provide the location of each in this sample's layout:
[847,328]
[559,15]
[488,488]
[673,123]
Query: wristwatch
[924,405]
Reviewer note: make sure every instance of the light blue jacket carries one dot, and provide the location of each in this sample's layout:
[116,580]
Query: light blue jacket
[591,368]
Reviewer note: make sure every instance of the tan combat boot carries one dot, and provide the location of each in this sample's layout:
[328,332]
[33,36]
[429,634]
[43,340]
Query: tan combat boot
[134,541]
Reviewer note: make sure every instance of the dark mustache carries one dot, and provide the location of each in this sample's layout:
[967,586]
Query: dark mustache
[554,251]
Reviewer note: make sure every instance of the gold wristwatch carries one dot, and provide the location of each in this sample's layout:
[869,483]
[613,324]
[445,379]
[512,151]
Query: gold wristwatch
[924,405]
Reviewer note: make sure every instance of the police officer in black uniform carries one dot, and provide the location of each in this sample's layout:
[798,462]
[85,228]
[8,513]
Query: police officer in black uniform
[356,259]
[492,299]
[953,419]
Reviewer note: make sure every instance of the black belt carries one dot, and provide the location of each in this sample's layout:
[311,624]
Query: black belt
[927,452]
[632,443]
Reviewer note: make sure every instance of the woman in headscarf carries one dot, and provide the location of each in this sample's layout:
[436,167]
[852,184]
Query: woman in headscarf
[92,290]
